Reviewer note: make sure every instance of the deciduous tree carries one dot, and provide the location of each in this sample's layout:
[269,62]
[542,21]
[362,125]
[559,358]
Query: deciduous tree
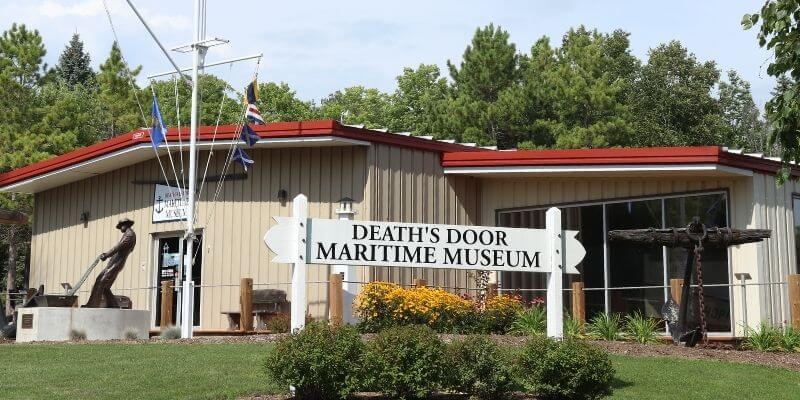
[778,31]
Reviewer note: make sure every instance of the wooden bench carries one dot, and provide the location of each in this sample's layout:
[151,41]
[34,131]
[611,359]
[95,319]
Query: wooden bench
[266,303]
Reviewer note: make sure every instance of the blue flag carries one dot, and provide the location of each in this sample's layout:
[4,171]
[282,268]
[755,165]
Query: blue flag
[158,131]
[248,135]
[241,157]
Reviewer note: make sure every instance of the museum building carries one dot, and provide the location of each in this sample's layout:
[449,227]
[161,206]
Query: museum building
[80,196]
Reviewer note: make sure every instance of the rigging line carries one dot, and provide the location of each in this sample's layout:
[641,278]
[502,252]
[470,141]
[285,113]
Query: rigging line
[122,55]
[239,125]
[228,158]
[211,149]
[166,141]
[178,114]
[219,114]
[132,85]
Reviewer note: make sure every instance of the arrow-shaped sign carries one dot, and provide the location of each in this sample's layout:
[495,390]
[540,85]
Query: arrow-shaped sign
[370,243]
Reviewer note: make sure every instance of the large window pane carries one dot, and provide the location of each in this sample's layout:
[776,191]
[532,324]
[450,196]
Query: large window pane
[628,301]
[712,211]
[632,264]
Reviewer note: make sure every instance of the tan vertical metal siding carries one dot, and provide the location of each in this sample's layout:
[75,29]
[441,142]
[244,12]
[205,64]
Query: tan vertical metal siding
[776,257]
[409,185]
[232,227]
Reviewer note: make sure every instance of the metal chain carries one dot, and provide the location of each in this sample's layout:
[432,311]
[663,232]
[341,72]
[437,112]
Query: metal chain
[698,258]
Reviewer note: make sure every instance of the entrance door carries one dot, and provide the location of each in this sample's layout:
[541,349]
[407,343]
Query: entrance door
[168,268]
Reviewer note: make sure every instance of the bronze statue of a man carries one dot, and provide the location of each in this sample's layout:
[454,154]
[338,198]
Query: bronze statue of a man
[117,255]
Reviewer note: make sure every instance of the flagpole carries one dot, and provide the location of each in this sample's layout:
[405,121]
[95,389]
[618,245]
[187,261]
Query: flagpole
[198,56]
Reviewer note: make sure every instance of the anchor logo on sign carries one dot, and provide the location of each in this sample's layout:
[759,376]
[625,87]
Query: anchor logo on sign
[159,204]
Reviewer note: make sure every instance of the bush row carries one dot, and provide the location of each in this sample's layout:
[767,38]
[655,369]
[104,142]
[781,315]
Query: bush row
[411,362]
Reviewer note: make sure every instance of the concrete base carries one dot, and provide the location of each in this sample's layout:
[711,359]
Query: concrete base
[56,323]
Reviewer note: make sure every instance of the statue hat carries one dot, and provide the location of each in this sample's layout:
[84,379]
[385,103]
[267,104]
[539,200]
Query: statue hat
[124,221]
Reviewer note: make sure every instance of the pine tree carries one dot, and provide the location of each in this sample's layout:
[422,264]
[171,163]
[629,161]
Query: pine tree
[489,66]
[73,66]
[119,94]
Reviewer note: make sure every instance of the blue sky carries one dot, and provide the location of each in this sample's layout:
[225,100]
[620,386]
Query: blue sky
[321,46]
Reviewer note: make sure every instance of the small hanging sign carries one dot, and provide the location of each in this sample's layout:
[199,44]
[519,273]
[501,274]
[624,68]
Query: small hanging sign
[170,204]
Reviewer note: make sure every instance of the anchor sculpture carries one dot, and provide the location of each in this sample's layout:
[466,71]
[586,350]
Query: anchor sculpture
[695,237]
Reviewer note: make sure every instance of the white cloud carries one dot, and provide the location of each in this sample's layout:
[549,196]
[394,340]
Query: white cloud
[86,8]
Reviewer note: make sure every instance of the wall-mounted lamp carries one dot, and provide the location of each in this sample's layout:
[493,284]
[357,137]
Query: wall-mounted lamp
[345,210]
[85,218]
[742,277]
[282,196]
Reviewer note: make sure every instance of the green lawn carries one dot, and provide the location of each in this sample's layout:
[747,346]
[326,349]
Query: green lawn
[210,371]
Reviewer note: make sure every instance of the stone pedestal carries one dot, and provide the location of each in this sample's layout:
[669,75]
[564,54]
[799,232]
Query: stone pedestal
[56,323]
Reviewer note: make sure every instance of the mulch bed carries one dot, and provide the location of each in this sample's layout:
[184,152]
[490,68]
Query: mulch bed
[377,396]
[713,351]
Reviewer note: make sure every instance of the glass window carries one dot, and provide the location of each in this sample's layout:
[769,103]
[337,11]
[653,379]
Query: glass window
[635,265]
[712,211]
[637,275]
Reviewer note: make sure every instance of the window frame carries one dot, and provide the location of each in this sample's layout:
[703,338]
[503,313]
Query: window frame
[725,192]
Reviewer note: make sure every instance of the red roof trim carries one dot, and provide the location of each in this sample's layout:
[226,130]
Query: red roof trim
[615,156]
[224,132]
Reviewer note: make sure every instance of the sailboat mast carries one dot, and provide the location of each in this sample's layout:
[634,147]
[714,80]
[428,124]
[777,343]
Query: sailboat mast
[198,57]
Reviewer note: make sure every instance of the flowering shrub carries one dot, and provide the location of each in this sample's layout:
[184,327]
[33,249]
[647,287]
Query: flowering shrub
[381,305]
[501,312]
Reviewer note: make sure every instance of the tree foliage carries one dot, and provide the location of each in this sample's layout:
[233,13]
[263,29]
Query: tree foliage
[73,66]
[778,32]
[119,94]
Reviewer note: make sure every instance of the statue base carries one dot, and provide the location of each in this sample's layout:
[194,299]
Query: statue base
[58,324]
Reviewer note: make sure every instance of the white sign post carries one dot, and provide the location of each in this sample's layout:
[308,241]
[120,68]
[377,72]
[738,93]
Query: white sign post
[346,242]
[555,296]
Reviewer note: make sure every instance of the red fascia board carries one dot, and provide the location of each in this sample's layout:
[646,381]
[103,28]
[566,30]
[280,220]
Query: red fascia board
[225,132]
[615,156]
[658,155]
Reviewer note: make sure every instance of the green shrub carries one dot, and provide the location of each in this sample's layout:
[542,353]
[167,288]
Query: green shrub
[573,328]
[321,362]
[640,328]
[568,369]
[405,362]
[130,334]
[170,333]
[605,326]
[77,335]
[765,338]
[279,323]
[478,367]
[532,321]
[789,339]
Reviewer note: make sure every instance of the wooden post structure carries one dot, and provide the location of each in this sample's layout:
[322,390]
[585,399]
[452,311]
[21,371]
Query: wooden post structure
[491,291]
[676,288]
[246,305]
[794,299]
[336,297]
[420,282]
[166,304]
[578,302]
